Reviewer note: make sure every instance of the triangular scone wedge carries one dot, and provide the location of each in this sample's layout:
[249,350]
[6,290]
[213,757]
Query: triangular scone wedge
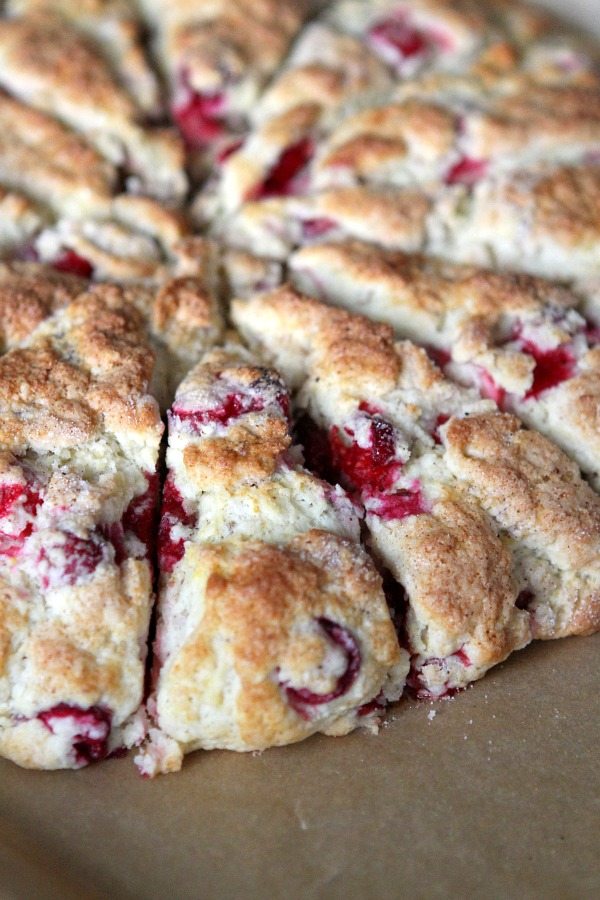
[489,528]
[272,622]
[70,77]
[530,345]
[79,442]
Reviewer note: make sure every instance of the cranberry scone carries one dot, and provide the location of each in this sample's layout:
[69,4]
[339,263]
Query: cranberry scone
[217,57]
[79,445]
[272,620]
[68,76]
[116,26]
[530,345]
[489,528]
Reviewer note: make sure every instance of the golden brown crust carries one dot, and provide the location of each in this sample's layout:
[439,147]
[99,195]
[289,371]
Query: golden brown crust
[28,295]
[531,488]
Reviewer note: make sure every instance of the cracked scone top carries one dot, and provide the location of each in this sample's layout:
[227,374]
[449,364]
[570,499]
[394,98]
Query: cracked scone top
[489,528]
[78,451]
[272,620]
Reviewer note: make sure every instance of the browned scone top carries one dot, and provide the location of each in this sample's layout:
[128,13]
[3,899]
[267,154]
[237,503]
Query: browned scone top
[261,614]
[28,295]
[87,368]
[48,63]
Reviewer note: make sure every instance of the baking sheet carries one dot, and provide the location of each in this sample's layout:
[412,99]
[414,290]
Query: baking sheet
[494,793]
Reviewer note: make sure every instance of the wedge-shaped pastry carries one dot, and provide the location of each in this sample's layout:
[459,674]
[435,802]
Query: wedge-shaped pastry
[79,440]
[272,620]
[217,56]
[542,221]
[117,28]
[530,345]
[70,78]
[489,528]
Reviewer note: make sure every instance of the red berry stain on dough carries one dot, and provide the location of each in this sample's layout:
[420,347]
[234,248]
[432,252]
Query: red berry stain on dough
[17,501]
[300,698]
[399,505]
[467,171]
[90,727]
[173,512]
[68,561]
[397,36]
[552,367]
[200,119]
[374,467]
[73,264]
[283,178]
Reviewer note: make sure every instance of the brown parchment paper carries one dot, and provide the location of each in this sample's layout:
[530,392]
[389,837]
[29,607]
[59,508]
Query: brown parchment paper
[493,794]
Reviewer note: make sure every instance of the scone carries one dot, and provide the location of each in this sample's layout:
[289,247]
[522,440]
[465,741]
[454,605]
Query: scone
[49,64]
[528,344]
[272,621]
[79,447]
[489,528]
[217,57]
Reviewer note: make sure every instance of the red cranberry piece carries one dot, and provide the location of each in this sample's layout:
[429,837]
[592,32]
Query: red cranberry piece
[282,180]
[373,467]
[227,151]
[375,705]
[16,499]
[173,512]
[400,505]
[140,515]
[69,562]
[552,367]
[300,698]
[314,228]
[441,420]
[234,406]
[489,389]
[200,119]
[467,171]
[91,729]
[440,357]
[463,656]
[397,40]
[74,264]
